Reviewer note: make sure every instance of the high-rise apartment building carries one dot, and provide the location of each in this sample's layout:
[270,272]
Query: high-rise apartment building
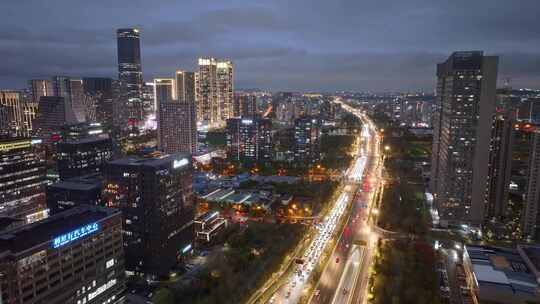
[22,179]
[73,257]
[244,105]
[156,198]
[176,113]
[249,139]
[214,91]
[40,87]
[129,70]
[307,139]
[466,97]
[531,216]
[225,90]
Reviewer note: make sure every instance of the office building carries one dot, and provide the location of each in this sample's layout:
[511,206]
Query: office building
[83,156]
[177,126]
[22,180]
[245,105]
[164,90]
[129,70]
[249,139]
[81,190]
[73,257]
[40,87]
[12,104]
[156,198]
[79,101]
[214,91]
[466,104]
[307,139]
[51,117]
[100,89]
[29,114]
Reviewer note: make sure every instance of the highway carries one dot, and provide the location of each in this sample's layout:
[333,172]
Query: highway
[344,276]
[347,281]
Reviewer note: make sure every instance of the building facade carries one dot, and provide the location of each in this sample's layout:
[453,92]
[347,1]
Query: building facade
[83,190]
[100,89]
[307,139]
[214,91]
[74,257]
[83,156]
[40,87]
[466,90]
[245,105]
[249,139]
[156,198]
[22,180]
[129,70]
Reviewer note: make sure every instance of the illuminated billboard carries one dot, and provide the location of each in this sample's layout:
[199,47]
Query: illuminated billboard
[76,234]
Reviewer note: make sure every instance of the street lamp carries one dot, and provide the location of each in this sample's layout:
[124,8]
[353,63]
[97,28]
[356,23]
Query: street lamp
[387,148]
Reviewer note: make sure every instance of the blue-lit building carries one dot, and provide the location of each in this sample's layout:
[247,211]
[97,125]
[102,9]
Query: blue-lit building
[73,257]
[156,198]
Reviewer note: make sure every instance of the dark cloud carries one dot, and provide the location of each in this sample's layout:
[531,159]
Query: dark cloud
[279,44]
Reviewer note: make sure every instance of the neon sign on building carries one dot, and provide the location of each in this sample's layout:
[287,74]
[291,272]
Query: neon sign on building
[76,234]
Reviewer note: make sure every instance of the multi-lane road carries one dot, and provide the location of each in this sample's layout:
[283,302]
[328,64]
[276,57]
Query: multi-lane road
[345,274]
[347,281]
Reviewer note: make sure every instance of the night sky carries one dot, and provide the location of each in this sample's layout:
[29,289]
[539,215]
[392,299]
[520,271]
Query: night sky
[280,45]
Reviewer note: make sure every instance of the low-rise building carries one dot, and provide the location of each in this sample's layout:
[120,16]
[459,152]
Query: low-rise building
[208,226]
[496,275]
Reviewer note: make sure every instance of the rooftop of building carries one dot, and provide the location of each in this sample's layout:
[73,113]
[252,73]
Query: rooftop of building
[503,269]
[25,237]
[232,196]
[81,183]
[86,140]
[155,161]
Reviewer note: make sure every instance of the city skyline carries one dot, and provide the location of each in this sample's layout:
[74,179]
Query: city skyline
[344,46]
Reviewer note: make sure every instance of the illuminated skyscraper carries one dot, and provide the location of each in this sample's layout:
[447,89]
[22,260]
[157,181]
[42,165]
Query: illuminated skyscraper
[129,70]
[40,87]
[175,101]
[22,179]
[225,91]
[307,139]
[466,97]
[164,90]
[249,139]
[214,91]
[101,90]
[12,107]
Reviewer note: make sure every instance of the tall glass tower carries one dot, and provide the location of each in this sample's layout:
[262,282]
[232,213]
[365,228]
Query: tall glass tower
[129,69]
